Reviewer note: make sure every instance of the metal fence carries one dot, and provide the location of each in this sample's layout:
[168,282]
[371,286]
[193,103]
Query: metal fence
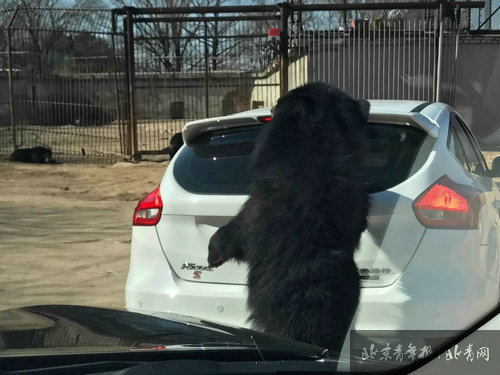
[485,19]
[187,67]
[378,60]
[60,84]
[101,86]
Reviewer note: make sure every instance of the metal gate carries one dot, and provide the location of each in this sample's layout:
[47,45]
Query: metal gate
[378,51]
[190,63]
[107,85]
[186,64]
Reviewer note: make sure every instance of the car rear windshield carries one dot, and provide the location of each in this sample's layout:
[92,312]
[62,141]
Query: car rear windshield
[218,162]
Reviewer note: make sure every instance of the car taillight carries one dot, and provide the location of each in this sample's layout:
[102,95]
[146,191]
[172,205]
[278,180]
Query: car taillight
[264,119]
[148,210]
[446,204]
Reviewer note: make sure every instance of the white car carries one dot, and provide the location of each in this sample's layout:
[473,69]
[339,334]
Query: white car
[429,258]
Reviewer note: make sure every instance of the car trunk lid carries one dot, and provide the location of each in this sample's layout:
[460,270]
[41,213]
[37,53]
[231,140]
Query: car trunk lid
[208,182]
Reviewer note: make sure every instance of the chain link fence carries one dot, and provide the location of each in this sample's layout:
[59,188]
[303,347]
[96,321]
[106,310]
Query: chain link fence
[486,19]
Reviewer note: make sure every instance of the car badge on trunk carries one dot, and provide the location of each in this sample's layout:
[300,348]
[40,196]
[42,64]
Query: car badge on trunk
[196,268]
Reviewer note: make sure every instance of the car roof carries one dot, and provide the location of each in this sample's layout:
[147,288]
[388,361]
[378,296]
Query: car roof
[424,114]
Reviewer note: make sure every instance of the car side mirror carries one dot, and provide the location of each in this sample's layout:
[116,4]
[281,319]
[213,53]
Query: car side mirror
[495,167]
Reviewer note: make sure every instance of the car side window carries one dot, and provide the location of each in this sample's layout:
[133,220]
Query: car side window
[481,167]
[455,147]
[473,162]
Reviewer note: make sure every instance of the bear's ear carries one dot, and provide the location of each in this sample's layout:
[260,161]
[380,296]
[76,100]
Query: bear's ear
[364,106]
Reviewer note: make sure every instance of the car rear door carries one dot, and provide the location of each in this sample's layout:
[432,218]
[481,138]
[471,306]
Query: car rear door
[477,169]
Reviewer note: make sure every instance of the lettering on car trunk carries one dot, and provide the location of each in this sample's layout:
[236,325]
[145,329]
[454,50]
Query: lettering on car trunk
[196,268]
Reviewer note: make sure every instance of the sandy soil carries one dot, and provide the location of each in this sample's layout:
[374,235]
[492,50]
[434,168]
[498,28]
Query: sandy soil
[65,231]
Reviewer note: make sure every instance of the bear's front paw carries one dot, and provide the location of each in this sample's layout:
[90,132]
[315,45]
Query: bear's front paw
[215,255]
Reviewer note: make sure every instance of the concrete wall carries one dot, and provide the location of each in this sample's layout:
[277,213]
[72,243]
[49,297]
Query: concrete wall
[90,98]
[266,91]
[57,100]
[372,71]
[477,96]
[376,69]
[228,92]
[405,70]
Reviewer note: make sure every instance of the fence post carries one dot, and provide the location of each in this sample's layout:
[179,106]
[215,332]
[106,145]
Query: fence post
[117,100]
[283,49]
[130,62]
[9,75]
[207,67]
[440,25]
[487,14]
[455,60]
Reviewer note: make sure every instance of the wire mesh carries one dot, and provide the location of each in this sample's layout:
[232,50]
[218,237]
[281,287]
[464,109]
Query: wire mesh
[373,57]
[64,84]
[74,90]
[191,69]
[484,19]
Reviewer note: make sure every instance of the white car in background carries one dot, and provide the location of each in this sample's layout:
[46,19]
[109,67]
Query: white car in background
[429,258]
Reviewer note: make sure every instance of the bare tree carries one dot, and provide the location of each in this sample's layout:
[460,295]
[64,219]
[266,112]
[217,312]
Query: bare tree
[228,44]
[187,45]
[39,27]
[164,41]
[45,34]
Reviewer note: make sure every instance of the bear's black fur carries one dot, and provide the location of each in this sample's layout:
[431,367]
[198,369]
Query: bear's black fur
[37,155]
[176,143]
[303,220]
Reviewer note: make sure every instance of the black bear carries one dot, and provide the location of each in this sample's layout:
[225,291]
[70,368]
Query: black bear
[176,143]
[37,155]
[304,217]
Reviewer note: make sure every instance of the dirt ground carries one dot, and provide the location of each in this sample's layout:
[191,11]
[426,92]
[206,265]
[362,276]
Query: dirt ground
[65,231]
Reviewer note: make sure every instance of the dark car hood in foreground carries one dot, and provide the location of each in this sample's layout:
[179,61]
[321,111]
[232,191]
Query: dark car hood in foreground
[50,329]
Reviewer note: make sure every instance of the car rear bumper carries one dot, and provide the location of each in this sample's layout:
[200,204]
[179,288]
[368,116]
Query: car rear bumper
[152,286]
[450,283]
[443,288]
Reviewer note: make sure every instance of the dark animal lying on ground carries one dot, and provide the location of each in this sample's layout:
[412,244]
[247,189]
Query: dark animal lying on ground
[33,155]
[299,229]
